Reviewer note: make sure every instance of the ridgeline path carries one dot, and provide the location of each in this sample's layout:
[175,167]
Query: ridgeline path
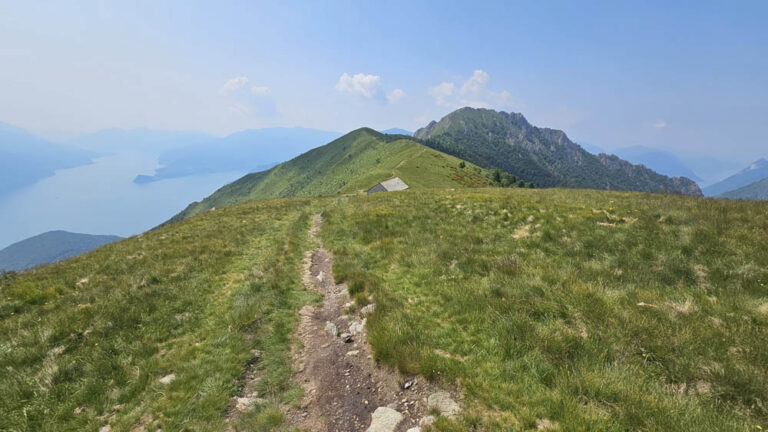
[343,385]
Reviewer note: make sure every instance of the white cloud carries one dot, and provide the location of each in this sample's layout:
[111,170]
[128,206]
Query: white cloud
[661,124]
[395,95]
[259,90]
[443,94]
[233,84]
[360,84]
[242,109]
[473,92]
[476,83]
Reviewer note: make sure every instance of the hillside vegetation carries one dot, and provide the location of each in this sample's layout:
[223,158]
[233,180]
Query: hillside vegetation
[90,341]
[543,156]
[350,164]
[591,310]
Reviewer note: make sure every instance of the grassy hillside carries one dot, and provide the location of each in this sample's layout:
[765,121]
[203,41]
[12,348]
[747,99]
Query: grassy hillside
[594,310]
[543,156]
[85,342]
[49,247]
[755,191]
[350,164]
[599,311]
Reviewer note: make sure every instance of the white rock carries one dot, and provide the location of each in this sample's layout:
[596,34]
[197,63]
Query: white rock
[428,420]
[331,329]
[384,420]
[367,310]
[443,402]
[244,403]
[414,429]
[168,379]
[357,327]
[105,428]
[353,353]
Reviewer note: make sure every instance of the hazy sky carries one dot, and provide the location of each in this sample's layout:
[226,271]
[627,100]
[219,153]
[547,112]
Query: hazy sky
[686,76]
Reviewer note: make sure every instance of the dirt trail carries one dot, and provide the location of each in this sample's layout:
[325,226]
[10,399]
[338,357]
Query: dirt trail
[343,385]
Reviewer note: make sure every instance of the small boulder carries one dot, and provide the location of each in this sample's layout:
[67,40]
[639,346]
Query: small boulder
[414,429]
[427,421]
[331,329]
[357,327]
[443,402]
[384,420]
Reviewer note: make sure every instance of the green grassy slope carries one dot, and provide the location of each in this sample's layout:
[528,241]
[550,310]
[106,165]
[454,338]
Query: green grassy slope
[596,310]
[599,311]
[350,164]
[84,342]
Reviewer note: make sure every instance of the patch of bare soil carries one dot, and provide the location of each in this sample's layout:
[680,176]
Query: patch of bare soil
[343,385]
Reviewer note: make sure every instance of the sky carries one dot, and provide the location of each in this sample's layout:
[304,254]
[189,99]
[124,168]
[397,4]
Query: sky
[686,76]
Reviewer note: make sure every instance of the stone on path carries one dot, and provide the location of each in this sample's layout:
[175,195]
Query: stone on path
[428,420]
[443,402]
[384,420]
[357,327]
[331,329]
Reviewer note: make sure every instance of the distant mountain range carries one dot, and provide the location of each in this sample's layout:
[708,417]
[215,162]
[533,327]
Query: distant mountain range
[543,156]
[591,148]
[397,131]
[661,161]
[25,159]
[49,247]
[148,141]
[754,191]
[245,151]
[755,172]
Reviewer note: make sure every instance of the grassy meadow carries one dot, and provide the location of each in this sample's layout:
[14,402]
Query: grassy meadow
[596,311]
[84,343]
[569,309]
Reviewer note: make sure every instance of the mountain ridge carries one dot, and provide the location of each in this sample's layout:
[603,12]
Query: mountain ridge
[755,172]
[547,157]
[49,247]
[349,164]
[753,191]
[26,158]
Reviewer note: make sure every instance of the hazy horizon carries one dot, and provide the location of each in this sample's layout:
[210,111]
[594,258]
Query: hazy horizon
[685,77]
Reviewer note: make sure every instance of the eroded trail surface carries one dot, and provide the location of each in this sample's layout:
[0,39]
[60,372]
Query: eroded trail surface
[344,389]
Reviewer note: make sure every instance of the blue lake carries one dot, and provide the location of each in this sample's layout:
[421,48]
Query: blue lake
[101,198]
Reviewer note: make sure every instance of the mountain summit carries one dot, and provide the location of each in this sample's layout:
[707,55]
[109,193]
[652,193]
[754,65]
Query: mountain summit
[546,157]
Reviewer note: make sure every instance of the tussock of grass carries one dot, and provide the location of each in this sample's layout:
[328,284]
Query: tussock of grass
[598,311]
